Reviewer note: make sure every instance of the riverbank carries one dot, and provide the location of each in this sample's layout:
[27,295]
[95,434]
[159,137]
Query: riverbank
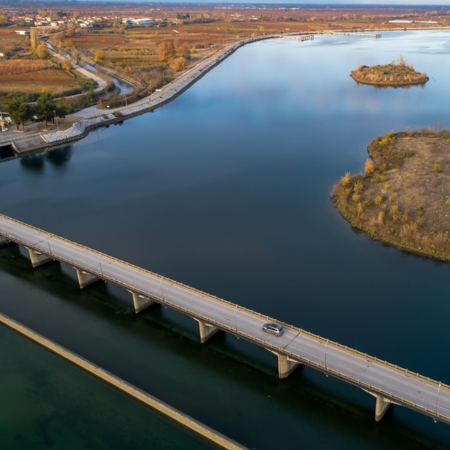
[154,403]
[403,197]
[93,119]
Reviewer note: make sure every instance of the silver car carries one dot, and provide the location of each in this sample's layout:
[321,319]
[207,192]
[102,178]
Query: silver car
[273,328]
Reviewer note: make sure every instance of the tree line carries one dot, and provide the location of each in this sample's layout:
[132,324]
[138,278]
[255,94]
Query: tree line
[44,110]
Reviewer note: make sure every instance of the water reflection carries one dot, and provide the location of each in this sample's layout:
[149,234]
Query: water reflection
[33,163]
[57,158]
[60,156]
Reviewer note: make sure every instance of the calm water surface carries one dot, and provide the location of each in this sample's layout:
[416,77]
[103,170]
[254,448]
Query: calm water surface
[227,189]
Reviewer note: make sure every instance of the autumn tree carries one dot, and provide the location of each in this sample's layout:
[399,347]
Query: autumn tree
[166,50]
[67,65]
[178,64]
[42,51]
[100,55]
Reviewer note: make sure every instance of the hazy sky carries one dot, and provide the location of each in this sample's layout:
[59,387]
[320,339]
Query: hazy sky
[309,2]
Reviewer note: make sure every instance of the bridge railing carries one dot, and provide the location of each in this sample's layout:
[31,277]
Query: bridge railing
[261,342]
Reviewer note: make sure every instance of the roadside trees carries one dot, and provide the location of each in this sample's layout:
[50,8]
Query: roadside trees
[45,108]
[19,111]
[42,52]
[34,38]
[91,97]
[166,50]
[67,65]
[178,64]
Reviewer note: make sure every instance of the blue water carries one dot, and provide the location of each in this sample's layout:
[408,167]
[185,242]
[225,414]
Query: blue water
[227,189]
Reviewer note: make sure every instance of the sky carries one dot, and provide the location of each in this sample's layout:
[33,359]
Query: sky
[436,3]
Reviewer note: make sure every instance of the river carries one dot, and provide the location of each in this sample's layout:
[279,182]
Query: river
[124,87]
[226,189]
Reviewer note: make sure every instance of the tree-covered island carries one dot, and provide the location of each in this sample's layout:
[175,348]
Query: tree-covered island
[403,196]
[393,74]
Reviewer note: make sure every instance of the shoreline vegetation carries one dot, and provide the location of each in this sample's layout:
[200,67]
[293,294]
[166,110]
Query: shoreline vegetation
[403,196]
[393,74]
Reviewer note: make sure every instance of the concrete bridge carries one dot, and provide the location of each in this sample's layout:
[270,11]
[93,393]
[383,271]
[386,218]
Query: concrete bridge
[389,384]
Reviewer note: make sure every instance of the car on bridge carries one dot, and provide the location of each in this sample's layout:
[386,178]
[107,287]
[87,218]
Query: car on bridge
[273,328]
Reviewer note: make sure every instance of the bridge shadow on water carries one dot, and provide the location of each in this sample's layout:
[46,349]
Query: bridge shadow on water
[159,351]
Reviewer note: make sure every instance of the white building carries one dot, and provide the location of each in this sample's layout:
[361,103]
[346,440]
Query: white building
[145,21]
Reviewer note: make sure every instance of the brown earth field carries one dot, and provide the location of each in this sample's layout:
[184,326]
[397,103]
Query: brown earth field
[35,82]
[403,196]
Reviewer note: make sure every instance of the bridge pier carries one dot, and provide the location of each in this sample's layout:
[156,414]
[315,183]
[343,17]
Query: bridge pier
[85,278]
[140,302]
[381,407]
[285,365]
[206,330]
[3,241]
[38,258]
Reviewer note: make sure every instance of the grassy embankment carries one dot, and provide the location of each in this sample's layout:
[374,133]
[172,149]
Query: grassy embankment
[392,74]
[403,196]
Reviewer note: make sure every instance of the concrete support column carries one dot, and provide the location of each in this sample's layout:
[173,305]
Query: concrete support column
[3,240]
[285,366]
[141,302]
[381,407]
[85,278]
[206,330]
[38,258]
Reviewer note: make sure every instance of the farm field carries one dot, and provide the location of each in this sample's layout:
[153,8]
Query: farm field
[36,82]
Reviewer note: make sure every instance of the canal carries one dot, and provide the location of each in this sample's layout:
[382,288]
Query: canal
[227,189]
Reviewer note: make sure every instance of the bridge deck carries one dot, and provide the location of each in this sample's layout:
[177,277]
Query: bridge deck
[371,374]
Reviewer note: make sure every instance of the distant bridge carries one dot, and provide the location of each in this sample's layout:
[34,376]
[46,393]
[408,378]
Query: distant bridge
[368,35]
[389,384]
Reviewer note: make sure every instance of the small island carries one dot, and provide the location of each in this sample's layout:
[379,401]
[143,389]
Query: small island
[403,196]
[392,74]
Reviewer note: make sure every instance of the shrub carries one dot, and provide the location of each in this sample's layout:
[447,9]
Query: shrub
[360,209]
[100,55]
[437,167]
[358,187]
[394,209]
[382,167]
[392,198]
[378,200]
[366,203]
[378,179]
[387,187]
[447,203]
[118,114]
[356,197]
[368,168]
[345,179]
